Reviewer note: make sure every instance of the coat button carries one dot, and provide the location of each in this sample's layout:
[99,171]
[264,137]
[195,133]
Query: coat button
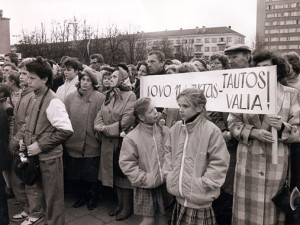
[261,173]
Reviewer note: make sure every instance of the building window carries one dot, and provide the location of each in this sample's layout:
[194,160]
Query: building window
[266,31]
[206,40]
[293,5]
[278,6]
[283,31]
[273,47]
[274,39]
[184,41]
[295,38]
[274,31]
[206,49]
[281,22]
[266,39]
[155,42]
[229,39]
[198,40]
[214,40]
[290,22]
[293,46]
[171,42]
[221,39]
[213,49]
[283,39]
[270,15]
[292,30]
[282,47]
[191,41]
[285,14]
[295,13]
[177,41]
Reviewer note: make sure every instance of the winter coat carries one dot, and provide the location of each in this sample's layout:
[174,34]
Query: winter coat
[142,155]
[82,111]
[257,180]
[109,116]
[196,162]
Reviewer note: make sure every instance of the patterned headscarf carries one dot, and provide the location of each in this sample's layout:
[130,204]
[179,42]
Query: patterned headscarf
[123,84]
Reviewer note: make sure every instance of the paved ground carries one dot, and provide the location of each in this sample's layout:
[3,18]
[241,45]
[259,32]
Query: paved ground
[82,216]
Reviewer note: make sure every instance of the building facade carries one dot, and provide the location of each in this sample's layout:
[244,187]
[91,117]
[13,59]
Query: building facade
[278,25]
[4,34]
[199,42]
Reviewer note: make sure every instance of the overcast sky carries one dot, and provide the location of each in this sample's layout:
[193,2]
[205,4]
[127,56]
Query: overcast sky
[142,15]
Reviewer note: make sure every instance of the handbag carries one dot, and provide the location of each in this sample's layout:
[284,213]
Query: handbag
[27,168]
[116,156]
[282,198]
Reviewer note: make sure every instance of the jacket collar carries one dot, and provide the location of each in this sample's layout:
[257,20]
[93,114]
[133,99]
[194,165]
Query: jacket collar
[26,90]
[147,128]
[193,122]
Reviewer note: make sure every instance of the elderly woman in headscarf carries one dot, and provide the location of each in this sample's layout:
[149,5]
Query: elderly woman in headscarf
[83,148]
[116,118]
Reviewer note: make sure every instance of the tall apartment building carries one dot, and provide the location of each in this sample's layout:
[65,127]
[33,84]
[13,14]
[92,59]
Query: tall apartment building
[199,42]
[278,25]
[4,34]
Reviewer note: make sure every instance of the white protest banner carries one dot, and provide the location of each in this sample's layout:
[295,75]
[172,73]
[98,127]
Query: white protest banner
[248,90]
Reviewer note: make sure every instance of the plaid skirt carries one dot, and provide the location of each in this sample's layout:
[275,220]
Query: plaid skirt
[189,216]
[148,202]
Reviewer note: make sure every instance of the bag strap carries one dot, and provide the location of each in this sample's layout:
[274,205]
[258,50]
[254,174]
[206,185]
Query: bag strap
[39,110]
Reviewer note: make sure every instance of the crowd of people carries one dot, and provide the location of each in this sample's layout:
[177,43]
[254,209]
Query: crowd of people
[88,125]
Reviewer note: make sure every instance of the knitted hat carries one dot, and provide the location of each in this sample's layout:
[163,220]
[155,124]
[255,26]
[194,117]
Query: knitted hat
[91,74]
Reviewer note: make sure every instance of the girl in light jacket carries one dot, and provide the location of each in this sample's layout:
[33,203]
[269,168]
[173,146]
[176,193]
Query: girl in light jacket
[196,161]
[141,159]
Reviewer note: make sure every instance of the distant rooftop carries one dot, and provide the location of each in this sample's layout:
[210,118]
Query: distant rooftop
[197,30]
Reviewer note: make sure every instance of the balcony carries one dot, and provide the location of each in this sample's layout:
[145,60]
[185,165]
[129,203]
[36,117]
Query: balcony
[197,44]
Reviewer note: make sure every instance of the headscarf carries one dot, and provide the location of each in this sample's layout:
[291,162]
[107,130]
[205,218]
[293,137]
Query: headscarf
[123,84]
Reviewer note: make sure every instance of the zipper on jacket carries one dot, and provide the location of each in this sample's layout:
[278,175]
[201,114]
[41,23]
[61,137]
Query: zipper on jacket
[182,159]
[157,155]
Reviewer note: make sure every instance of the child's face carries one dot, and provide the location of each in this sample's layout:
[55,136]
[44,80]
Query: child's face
[23,77]
[150,116]
[35,82]
[70,73]
[106,81]
[186,109]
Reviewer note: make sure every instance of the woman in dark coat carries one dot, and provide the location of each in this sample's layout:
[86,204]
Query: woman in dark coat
[118,108]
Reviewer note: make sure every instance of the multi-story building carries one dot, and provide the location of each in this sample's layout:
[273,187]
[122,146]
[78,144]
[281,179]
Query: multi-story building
[278,25]
[4,34]
[199,42]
